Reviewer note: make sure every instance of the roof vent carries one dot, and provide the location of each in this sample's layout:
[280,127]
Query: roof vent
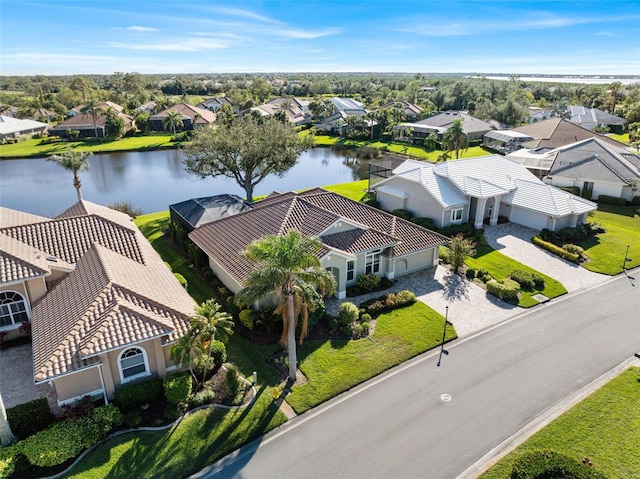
[52,258]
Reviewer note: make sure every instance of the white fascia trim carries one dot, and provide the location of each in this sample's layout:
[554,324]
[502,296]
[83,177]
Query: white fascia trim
[343,220]
[338,252]
[97,392]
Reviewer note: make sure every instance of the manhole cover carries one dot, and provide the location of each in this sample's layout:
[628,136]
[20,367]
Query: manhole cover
[446,397]
[540,298]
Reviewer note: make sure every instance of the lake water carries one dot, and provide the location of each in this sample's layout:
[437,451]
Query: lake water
[153,180]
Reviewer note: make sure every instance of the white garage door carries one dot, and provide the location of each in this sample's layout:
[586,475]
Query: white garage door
[528,218]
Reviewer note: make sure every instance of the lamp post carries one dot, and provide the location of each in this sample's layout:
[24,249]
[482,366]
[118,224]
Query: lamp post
[626,259]
[444,333]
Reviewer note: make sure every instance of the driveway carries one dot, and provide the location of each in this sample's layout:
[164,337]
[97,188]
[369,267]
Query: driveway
[514,241]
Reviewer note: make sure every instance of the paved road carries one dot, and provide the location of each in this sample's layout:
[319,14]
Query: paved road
[399,426]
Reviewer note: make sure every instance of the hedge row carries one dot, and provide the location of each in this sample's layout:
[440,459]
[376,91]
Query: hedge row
[177,387]
[131,395]
[389,302]
[507,289]
[528,281]
[546,464]
[611,200]
[29,418]
[557,250]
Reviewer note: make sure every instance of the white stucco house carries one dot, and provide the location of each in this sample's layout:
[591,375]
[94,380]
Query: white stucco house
[479,189]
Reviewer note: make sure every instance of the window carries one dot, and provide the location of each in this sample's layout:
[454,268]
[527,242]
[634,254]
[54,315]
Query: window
[351,266]
[133,364]
[13,309]
[456,215]
[372,262]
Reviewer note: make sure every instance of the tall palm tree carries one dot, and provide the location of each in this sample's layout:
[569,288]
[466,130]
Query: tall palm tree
[455,139]
[209,323]
[287,266]
[92,106]
[74,161]
[6,435]
[172,120]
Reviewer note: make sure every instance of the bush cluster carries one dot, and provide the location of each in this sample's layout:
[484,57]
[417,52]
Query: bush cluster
[611,200]
[528,281]
[549,464]
[481,274]
[507,289]
[29,418]
[404,214]
[389,302]
[66,439]
[181,279]
[177,387]
[574,190]
[635,200]
[571,234]
[424,222]
[557,250]
[132,395]
[347,313]
[368,282]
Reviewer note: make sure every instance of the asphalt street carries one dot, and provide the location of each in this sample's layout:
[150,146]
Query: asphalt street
[424,421]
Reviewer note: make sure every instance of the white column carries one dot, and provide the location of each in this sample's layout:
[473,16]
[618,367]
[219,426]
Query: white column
[480,204]
[494,212]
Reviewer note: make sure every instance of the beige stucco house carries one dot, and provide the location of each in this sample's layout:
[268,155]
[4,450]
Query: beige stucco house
[103,307]
[357,239]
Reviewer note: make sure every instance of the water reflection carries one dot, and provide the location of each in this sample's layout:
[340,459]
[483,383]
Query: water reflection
[153,180]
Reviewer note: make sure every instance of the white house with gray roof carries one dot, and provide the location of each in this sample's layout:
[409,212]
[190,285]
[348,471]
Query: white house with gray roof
[479,189]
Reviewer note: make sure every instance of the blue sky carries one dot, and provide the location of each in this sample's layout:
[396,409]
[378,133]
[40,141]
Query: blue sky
[89,36]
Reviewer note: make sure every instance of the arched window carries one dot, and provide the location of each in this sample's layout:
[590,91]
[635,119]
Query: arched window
[13,309]
[133,364]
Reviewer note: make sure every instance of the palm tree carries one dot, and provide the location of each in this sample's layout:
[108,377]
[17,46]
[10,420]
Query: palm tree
[288,267]
[74,161]
[6,435]
[209,323]
[172,120]
[455,139]
[92,107]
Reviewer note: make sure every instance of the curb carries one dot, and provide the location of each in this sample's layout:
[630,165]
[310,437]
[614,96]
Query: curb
[509,444]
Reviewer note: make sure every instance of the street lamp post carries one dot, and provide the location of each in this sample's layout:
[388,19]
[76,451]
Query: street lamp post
[444,334]
[626,259]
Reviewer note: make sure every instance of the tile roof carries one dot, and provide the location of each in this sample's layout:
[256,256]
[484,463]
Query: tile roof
[540,197]
[582,115]
[9,218]
[556,132]
[10,125]
[19,261]
[205,116]
[312,213]
[444,120]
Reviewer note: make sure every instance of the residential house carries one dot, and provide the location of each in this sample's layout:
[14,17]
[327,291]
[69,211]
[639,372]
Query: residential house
[149,107]
[557,132]
[356,238]
[105,105]
[196,212]
[297,111]
[505,141]
[13,127]
[538,114]
[480,189]
[596,168]
[589,118]
[212,104]
[441,122]
[192,117]
[411,111]
[104,308]
[84,123]
[339,121]
[42,114]
[347,105]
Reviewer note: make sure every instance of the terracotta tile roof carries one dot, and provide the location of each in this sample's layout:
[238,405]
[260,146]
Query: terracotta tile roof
[69,238]
[84,208]
[556,132]
[9,218]
[204,116]
[19,261]
[312,213]
[109,301]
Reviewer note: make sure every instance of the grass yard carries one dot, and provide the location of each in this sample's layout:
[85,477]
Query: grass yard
[604,427]
[35,148]
[624,138]
[396,147]
[607,250]
[353,190]
[500,266]
[332,367]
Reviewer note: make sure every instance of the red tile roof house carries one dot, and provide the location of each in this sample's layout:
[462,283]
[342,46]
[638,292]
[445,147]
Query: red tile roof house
[192,117]
[357,239]
[104,308]
[83,122]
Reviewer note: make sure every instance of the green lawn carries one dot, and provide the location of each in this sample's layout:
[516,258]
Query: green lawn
[35,148]
[604,427]
[396,147]
[624,138]
[353,190]
[500,266]
[607,250]
[332,367]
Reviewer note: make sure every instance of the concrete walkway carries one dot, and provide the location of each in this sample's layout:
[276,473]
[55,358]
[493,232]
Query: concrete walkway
[514,241]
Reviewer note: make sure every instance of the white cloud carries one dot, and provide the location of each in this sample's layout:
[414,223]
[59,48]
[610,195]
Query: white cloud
[173,45]
[136,28]
[237,12]
[302,34]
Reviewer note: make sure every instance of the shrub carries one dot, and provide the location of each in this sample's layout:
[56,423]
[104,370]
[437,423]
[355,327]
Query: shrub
[131,395]
[357,330]
[9,458]
[132,419]
[66,439]
[546,464]
[218,353]
[29,418]
[365,318]
[464,229]
[528,281]
[389,302]
[404,214]
[247,319]
[181,279]
[507,290]
[368,282]
[424,222]
[333,324]
[347,313]
[206,396]
[445,254]
[177,387]
[366,327]
[232,380]
[471,273]
[611,200]
[557,250]
[574,190]
[573,248]
[635,200]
